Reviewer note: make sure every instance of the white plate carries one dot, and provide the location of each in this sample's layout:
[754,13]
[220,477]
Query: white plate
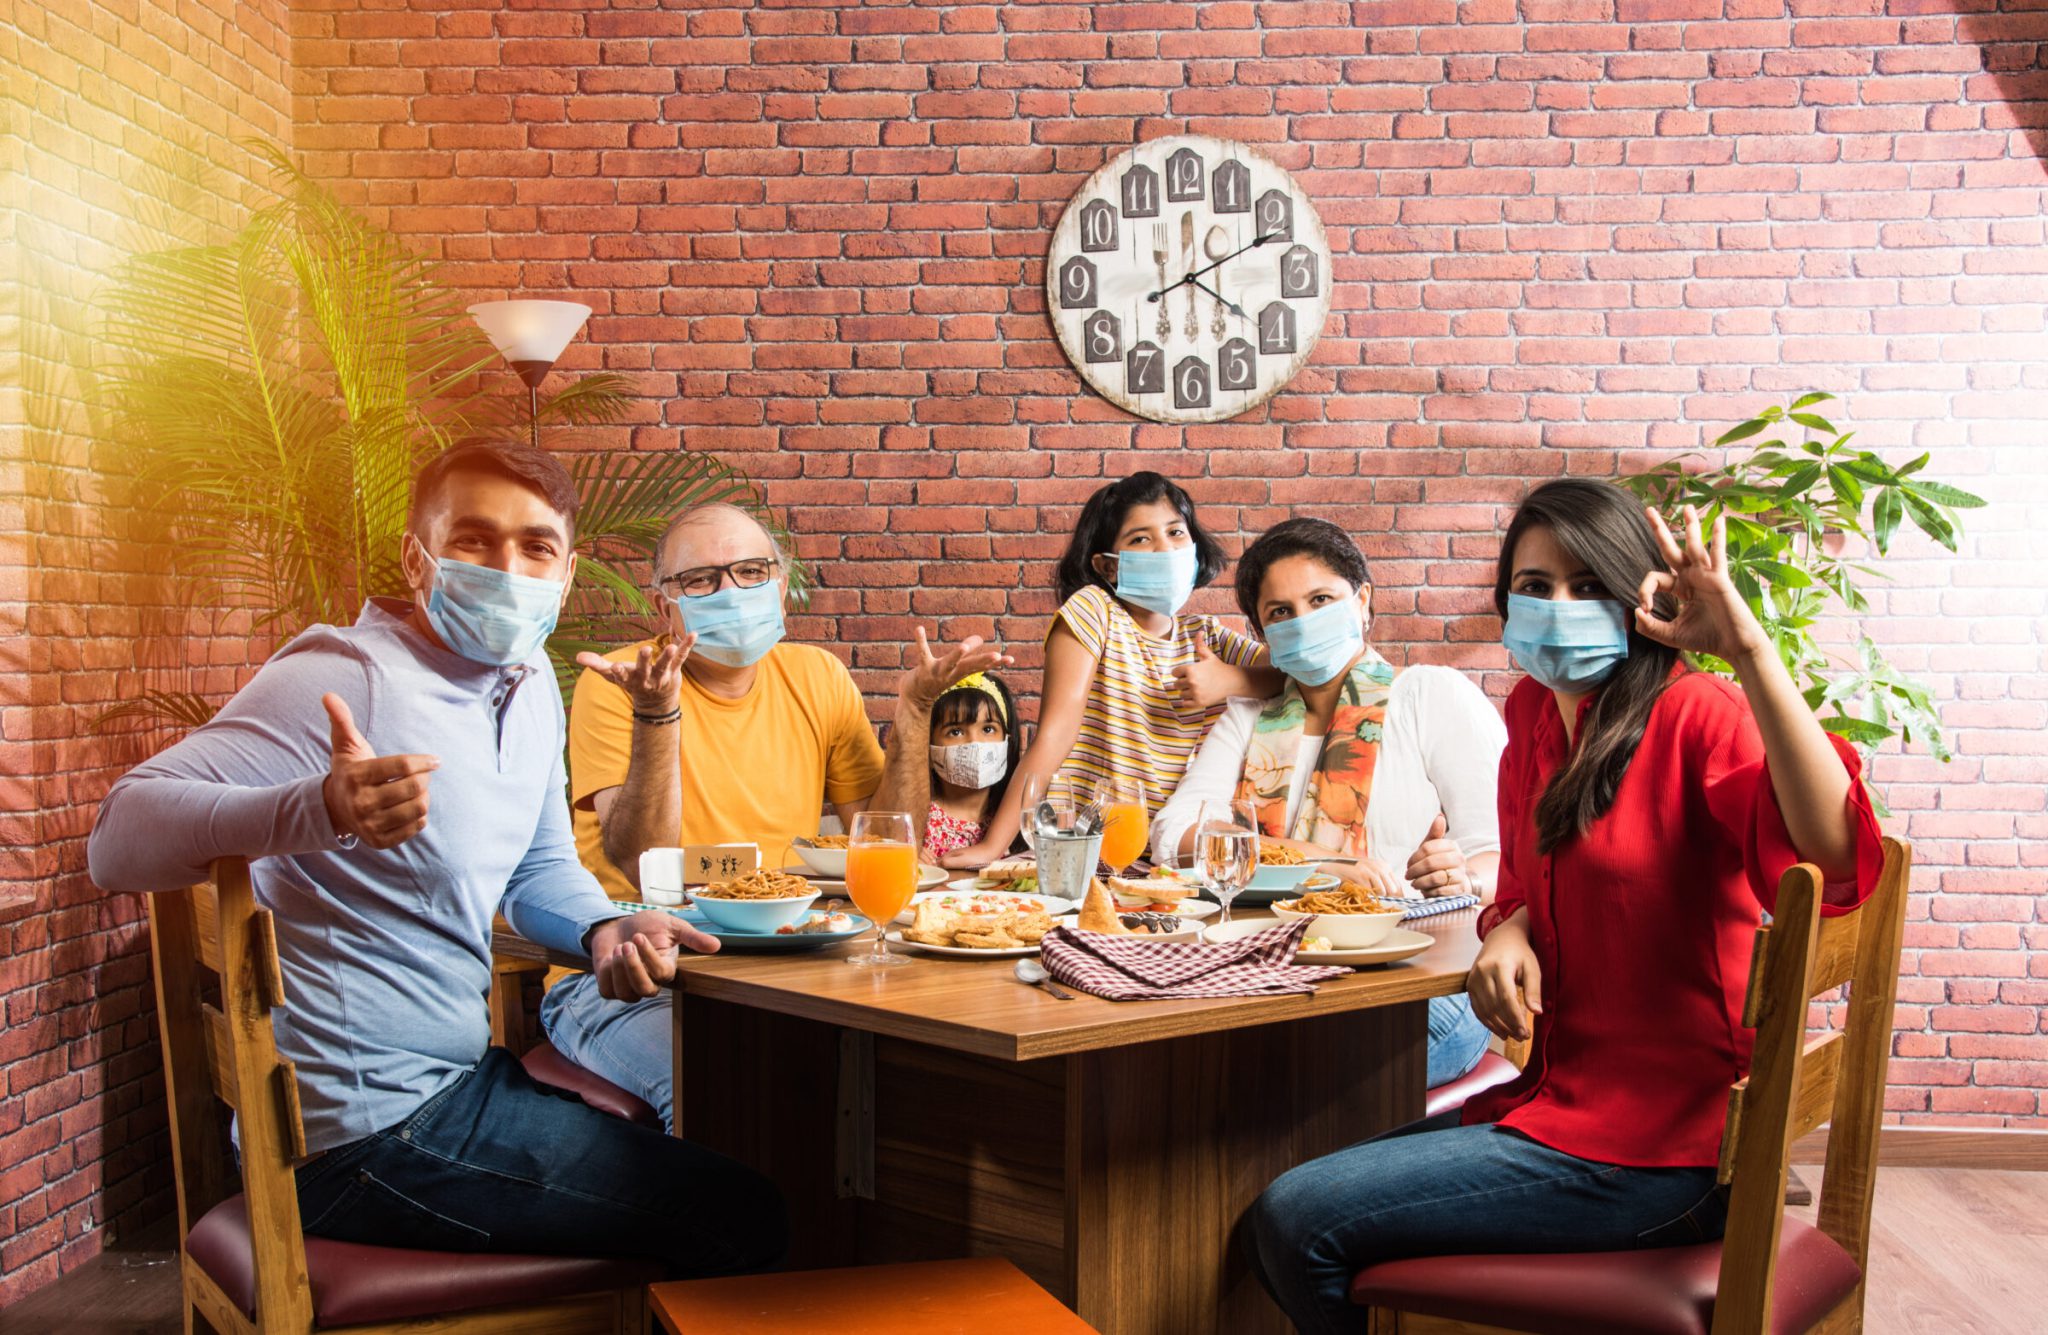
[1400,944]
[964,952]
[927,877]
[1189,907]
[1052,904]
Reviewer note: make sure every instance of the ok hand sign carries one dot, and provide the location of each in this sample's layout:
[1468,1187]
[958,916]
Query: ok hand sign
[1712,616]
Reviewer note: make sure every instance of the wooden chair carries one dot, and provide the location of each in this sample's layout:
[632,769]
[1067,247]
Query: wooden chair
[246,1266]
[1769,1273]
[966,1297]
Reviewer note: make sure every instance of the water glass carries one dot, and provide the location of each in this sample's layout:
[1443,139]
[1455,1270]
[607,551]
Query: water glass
[1227,850]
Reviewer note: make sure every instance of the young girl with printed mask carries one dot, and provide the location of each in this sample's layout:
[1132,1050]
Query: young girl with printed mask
[1647,813]
[973,751]
[1132,678]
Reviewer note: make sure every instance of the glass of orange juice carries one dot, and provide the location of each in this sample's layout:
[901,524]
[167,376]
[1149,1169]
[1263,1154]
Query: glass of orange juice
[881,874]
[1125,822]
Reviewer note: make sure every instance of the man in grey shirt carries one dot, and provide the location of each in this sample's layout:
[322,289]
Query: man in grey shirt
[396,783]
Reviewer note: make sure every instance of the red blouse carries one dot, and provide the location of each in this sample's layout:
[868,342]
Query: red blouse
[1643,925]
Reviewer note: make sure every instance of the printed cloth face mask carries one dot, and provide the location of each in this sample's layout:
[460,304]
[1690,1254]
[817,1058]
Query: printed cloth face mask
[972,764]
[735,626]
[1159,582]
[488,616]
[1313,649]
[1567,645]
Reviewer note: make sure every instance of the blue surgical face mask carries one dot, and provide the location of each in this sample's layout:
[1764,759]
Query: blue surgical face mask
[735,626]
[491,616]
[1313,649]
[1159,582]
[1567,645]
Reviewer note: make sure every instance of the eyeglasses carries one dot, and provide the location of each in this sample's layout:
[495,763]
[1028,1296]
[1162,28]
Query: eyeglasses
[703,581]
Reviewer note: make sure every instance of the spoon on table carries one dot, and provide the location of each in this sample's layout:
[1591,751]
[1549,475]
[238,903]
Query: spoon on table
[1034,973]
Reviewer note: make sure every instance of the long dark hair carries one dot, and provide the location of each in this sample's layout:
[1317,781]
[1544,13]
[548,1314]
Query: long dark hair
[1095,531]
[967,705]
[1604,529]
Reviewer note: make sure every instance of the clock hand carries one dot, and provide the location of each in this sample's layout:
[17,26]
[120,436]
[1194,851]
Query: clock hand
[1193,274]
[1228,304]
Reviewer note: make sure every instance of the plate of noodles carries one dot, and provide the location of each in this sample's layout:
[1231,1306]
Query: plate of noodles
[1349,914]
[760,901]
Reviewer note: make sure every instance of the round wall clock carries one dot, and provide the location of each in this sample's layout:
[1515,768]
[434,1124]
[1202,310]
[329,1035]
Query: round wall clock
[1188,279]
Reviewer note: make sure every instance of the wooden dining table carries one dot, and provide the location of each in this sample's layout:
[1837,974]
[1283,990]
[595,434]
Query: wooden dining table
[1109,1149]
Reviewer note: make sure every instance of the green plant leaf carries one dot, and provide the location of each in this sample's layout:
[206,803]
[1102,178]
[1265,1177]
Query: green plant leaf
[1940,493]
[1930,520]
[1810,398]
[1813,422]
[1846,486]
[1796,482]
[1750,428]
[1863,732]
[1884,519]
[174,709]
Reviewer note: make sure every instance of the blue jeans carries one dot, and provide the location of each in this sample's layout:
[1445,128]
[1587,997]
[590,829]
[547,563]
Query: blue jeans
[630,1043]
[1456,1038]
[498,1163]
[1434,1188]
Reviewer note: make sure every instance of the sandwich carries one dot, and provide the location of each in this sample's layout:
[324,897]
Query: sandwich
[1155,894]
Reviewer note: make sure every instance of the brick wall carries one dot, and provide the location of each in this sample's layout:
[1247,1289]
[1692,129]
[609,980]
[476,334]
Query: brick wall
[1565,231]
[106,106]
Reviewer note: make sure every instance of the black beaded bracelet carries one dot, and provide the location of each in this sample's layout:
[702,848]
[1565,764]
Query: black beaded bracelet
[670,717]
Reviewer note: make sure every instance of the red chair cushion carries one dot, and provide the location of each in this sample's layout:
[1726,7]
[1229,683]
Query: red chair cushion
[354,1283]
[1493,1069]
[549,1067]
[1655,1291]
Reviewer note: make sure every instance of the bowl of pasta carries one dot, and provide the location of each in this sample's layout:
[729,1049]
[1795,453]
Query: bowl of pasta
[824,854]
[1351,915]
[760,901]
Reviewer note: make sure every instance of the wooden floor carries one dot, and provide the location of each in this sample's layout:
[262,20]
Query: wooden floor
[1954,1250]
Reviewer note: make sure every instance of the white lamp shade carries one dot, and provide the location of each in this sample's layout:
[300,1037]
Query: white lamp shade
[530,331]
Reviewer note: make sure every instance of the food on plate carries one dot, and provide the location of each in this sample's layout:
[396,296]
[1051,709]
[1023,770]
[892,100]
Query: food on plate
[1153,894]
[933,924]
[827,840]
[1279,855]
[1003,902]
[763,884]
[1007,873]
[1316,944]
[1150,924]
[819,923]
[1348,897]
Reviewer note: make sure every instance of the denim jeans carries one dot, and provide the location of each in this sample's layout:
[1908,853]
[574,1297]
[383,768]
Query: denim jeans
[1456,1038]
[498,1163]
[630,1043]
[1434,1188]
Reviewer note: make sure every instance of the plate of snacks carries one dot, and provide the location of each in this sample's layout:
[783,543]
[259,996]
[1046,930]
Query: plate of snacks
[1019,875]
[1177,895]
[1009,934]
[1351,915]
[1099,913]
[813,931]
[758,902]
[1399,944]
[972,901]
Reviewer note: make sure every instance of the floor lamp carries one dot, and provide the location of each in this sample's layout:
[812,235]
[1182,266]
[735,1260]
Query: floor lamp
[530,335]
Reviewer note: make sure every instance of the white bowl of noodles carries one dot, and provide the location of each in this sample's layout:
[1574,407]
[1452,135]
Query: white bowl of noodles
[1350,916]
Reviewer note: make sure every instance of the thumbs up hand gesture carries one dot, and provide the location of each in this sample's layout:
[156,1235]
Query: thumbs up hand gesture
[1207,680]
[381,800]
[1438,866]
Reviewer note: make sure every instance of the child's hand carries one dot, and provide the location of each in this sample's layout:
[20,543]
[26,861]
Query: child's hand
[971,858]
[1208,680]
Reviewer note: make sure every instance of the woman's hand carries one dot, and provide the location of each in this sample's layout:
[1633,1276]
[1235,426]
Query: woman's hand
[1712,616]
[1437,867]
[1506,983]
[654,679]
[971,858]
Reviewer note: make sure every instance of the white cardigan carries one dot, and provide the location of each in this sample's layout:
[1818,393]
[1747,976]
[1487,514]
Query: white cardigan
[1439,751]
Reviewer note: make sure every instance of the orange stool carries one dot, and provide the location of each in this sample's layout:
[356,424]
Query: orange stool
[916,1298]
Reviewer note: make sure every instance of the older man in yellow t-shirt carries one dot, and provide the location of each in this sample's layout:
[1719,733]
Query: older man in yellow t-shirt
[721,732]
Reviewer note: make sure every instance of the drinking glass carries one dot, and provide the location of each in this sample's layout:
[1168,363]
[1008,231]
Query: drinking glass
[1227,849]
[1125,822]
[1031,792]
[881,875]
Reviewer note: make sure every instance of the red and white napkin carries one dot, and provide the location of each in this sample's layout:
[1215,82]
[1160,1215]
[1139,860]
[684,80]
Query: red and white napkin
[1129,968]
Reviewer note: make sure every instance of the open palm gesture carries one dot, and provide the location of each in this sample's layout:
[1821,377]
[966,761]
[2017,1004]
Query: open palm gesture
[1712,616]
[654,678]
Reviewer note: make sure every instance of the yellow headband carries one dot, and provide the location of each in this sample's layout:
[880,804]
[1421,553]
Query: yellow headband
[979,681]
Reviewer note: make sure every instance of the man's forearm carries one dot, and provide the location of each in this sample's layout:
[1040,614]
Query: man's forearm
[647,810]
[906,783]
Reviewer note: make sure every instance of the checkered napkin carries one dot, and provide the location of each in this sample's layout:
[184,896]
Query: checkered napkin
[1123,968]
[1429,908]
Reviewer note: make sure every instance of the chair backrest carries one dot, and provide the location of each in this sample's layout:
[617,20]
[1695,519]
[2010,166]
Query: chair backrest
[214,938]
[1796,1083]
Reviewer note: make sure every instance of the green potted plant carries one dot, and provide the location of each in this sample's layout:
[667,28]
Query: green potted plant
[1800,504]
[279,391]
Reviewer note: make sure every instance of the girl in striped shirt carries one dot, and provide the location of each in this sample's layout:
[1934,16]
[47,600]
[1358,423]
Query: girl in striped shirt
[1132,682]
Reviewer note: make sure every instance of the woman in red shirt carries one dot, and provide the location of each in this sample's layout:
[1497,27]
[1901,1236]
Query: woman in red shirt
[1646,813]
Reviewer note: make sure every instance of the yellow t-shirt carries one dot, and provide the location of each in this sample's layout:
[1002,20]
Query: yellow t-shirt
[1133,724]
[755,770]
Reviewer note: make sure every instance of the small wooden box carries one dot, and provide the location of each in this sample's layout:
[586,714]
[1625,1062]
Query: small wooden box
[705,863]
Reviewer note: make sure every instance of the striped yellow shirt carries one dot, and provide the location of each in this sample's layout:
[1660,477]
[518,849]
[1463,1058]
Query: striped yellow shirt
[1133,724]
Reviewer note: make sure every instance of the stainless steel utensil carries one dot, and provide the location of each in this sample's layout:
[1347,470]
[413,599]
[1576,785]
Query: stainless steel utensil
[1034,973]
